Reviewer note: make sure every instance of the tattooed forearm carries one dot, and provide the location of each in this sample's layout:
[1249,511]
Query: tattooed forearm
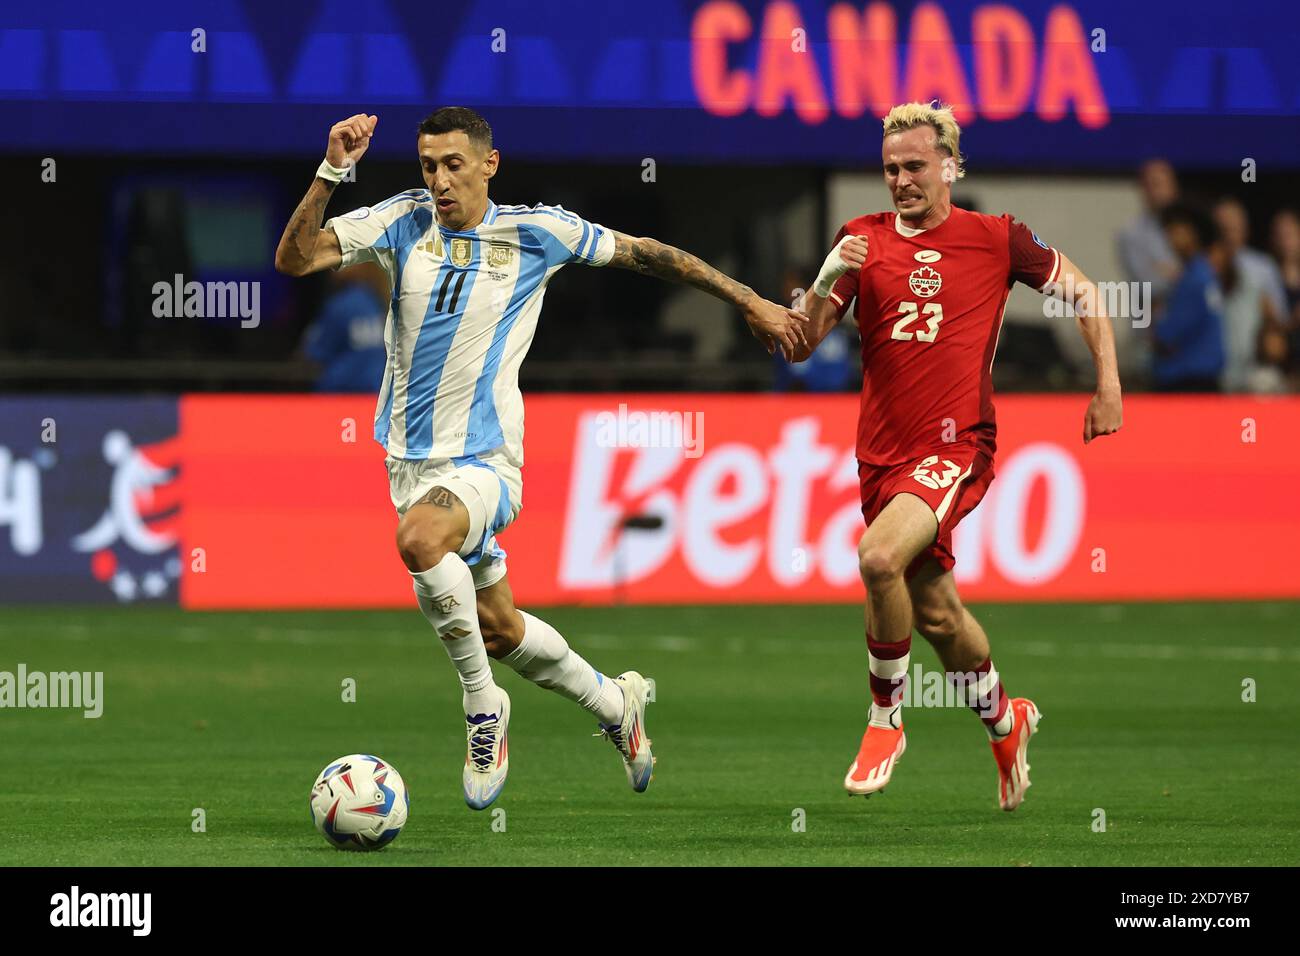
[653,258]
[298,242]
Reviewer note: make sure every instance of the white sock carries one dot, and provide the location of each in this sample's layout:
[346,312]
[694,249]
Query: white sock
[1000,729]
[445,593]
[546,659]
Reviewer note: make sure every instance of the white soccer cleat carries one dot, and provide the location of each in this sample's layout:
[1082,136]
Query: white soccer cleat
[628,736]
[486,759]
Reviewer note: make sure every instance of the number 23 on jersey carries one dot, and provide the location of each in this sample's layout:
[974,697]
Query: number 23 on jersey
[909,313]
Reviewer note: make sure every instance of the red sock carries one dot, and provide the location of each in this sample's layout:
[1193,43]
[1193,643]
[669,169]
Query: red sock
[986,696]
[888,678]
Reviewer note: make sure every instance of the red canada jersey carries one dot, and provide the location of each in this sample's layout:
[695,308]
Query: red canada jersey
[929,309]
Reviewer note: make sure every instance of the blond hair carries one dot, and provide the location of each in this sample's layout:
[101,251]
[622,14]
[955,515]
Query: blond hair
[939,118]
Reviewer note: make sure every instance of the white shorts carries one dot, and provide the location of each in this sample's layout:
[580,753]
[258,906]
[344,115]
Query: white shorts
[487,485]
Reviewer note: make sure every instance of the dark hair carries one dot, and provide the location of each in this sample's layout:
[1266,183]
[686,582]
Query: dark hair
[1207,233]
[449,119]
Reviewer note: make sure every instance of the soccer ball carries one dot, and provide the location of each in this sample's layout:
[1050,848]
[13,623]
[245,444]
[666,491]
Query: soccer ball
[359,803]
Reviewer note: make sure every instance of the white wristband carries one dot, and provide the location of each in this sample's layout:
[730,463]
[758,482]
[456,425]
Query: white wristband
[832,269]
[331,173]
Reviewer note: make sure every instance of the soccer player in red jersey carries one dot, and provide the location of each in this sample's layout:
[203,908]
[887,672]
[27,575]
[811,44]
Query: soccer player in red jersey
[931,284]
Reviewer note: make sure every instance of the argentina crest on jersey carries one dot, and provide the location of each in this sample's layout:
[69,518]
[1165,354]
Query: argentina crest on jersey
[499,254]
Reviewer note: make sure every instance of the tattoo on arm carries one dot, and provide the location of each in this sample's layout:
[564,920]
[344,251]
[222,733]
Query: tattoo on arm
[439,496]
[304,226]
[653,258]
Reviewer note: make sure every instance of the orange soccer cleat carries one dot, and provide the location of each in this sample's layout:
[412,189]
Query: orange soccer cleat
[882,747]
[1011,753]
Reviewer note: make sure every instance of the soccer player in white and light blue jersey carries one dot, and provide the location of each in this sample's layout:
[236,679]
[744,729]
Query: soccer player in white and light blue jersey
[467,280]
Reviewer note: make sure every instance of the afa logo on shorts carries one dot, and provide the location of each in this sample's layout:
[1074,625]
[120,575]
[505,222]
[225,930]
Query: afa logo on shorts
[936,478]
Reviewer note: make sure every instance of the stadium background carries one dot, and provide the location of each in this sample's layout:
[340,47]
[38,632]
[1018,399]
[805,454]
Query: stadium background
[719,126]
[193,463]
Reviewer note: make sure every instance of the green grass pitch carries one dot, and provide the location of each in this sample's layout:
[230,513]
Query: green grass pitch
[758,712]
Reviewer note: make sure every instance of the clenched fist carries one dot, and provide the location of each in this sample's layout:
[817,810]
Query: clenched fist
[1104,416]
[349,140]
[848,255]
[853,252]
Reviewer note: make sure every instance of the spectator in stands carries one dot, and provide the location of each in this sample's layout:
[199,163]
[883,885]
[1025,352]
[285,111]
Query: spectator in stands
[1189,352]
[1253,304]
[347,337]
[1143,246]
[1234,225]
[1286,247]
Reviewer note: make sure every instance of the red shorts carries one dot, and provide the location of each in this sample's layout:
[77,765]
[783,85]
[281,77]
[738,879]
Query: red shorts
[952,482]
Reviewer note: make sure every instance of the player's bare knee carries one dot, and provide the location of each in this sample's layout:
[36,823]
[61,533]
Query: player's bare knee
[423,540]
[878,563]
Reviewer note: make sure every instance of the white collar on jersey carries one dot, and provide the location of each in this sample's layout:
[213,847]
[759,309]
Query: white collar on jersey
[906,232]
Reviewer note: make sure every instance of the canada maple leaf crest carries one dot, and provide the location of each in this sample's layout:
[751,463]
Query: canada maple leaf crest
[925,282]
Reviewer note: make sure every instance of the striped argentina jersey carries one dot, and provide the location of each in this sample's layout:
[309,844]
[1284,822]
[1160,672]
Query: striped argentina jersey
[463,312]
